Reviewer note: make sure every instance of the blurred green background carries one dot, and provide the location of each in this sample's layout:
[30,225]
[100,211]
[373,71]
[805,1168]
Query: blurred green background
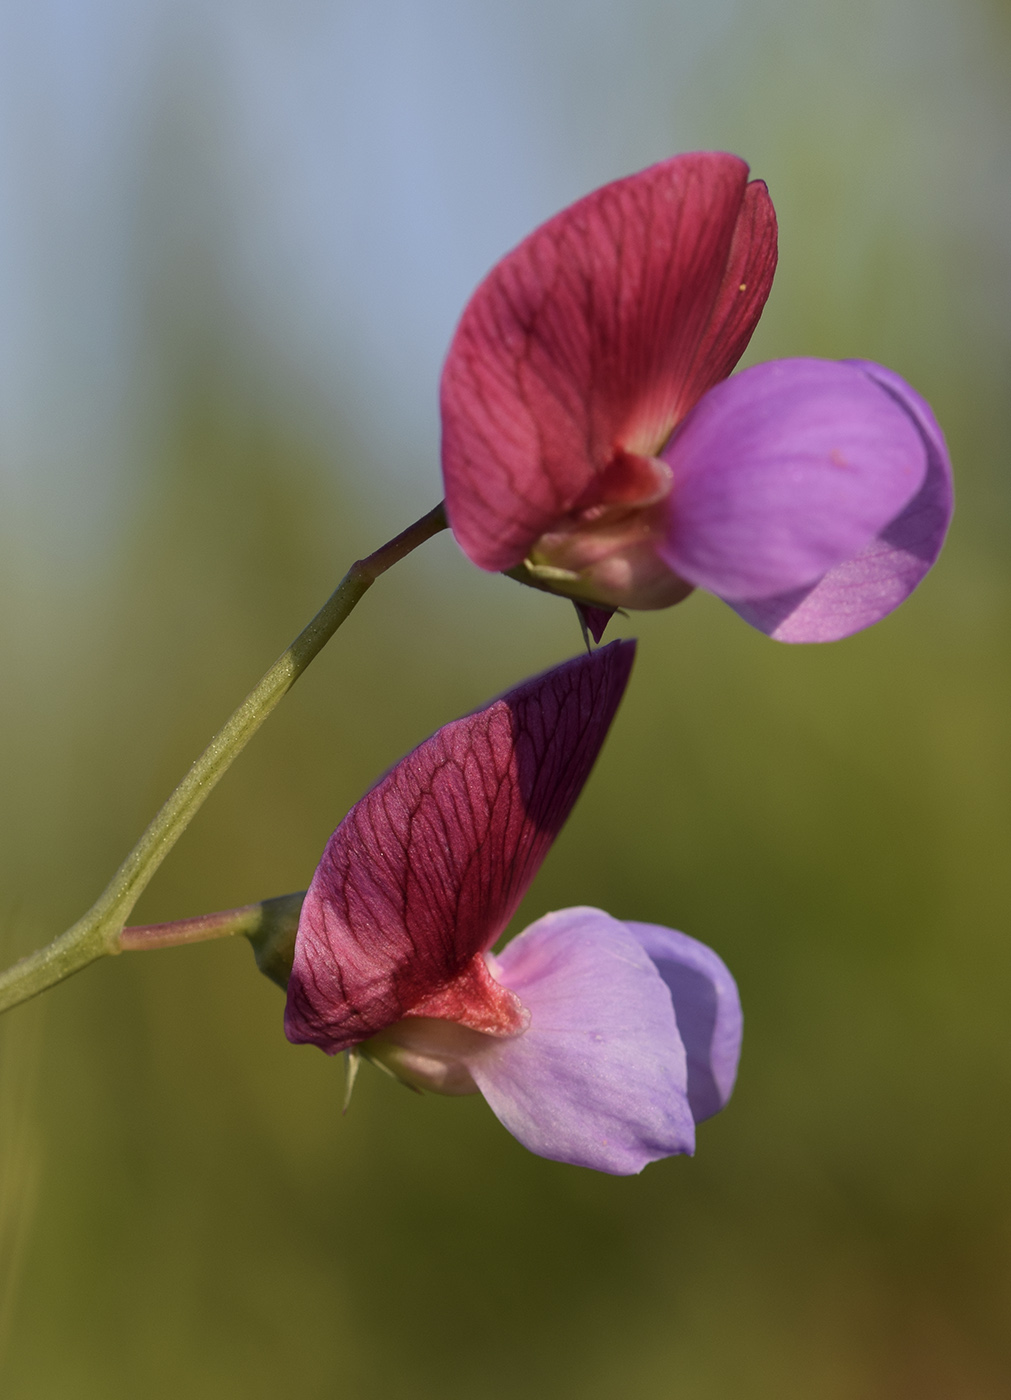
[182,1206]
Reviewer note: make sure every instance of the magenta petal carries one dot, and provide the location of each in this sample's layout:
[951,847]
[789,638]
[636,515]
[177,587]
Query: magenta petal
[785,471]
[598,332]
[426,870]
[708,1011]
[865,589]
[599,1078]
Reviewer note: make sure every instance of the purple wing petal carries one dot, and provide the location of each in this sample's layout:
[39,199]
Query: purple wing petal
[865,589]
[427,869]
[785,471]
[708,1011]
[599,1077]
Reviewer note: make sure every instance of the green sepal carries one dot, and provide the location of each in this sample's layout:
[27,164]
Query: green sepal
[273,938]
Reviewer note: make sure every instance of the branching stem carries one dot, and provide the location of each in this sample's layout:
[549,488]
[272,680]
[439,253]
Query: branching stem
[97,934]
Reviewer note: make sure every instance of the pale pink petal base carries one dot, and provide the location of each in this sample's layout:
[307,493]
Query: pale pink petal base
[599,1079]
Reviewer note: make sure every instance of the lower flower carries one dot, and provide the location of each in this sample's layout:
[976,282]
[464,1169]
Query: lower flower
[595,1042]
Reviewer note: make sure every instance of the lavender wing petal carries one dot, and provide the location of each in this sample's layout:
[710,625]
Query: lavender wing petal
[784,472]
[599,1078]
[708,1011]
[862,590]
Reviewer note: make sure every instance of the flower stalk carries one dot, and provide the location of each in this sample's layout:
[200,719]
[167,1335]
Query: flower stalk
[270,926]
[99,933]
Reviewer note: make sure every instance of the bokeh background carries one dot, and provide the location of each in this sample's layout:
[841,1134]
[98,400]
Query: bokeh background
[234,240]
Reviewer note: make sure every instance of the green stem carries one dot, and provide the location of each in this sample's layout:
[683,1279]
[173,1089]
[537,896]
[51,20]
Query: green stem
[97,934]
[270,927]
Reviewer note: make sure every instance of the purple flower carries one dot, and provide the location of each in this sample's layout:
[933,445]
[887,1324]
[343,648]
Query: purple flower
[594,1041]
[592,439]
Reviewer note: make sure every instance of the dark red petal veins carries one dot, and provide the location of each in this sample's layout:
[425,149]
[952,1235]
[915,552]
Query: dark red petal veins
[427,869]
[598,332]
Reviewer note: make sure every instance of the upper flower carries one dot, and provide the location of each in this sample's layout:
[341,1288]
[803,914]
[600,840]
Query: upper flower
[592,439]
[594,1041]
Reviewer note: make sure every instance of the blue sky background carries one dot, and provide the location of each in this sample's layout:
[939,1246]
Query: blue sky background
[317,186]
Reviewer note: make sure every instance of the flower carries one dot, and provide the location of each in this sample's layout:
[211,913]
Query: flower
[594,446]
[595,1041]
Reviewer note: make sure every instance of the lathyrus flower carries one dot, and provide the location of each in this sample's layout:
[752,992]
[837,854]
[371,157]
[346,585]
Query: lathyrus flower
[594,446]
[595,1041]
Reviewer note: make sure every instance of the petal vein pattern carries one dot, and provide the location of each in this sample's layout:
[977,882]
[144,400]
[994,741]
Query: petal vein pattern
[426,870]
[598,334]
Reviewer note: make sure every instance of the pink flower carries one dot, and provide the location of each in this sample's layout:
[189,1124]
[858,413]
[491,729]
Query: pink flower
[593,442]
[594,1041]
